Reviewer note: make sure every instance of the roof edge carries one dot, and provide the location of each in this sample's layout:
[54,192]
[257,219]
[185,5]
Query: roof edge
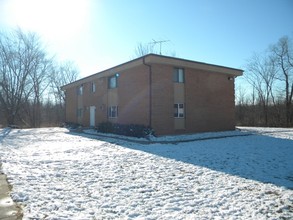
[156,58]
[197,62]
[103,71]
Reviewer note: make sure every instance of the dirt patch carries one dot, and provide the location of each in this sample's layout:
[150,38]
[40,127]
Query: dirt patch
[8,208]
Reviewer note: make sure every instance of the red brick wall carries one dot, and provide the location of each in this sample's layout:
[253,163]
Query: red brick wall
[209,101]
[97,98]
[133,96]
[71,105]
[162,99]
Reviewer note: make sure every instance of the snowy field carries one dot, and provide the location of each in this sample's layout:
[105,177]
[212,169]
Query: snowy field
[60,175]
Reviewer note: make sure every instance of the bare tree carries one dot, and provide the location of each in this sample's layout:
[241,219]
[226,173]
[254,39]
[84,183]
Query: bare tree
[24,68]
[39,83]
[282,53]
[241,95]
[16,62]
[27,75]
[144,49]
[271,77]
[261,74]
[61,75]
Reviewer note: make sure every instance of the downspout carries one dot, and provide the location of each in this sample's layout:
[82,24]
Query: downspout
[65,107]
[150,92]
[64,115]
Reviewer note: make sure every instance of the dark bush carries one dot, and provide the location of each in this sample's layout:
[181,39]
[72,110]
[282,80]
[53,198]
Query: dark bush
[70,125]
[13,126]
[132,130]
[105,127]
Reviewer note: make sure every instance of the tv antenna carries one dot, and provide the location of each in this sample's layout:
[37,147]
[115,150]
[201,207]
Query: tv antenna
[159,42]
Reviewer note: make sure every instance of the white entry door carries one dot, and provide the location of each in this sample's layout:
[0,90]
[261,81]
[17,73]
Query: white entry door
[92,116]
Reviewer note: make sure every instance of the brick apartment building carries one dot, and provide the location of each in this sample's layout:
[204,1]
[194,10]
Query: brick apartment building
[171,95]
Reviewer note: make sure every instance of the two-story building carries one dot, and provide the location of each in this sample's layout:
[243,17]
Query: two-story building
[171,95]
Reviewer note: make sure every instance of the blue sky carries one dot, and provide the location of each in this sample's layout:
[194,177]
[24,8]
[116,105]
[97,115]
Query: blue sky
[99,34]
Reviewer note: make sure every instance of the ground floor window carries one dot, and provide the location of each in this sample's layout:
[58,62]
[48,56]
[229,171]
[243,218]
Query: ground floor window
[79,112]
[179,110]
[113,112]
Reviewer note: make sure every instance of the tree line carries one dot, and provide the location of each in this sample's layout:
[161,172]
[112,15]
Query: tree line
[30,81]
[268,102]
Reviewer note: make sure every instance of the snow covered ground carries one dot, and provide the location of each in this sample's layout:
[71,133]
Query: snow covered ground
[60,175]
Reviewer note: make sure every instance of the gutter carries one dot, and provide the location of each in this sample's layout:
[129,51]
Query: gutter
[150,92]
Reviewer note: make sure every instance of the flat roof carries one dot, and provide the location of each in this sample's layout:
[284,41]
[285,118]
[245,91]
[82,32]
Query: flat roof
[158,59]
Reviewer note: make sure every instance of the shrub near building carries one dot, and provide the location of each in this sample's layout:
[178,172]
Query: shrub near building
[133,130]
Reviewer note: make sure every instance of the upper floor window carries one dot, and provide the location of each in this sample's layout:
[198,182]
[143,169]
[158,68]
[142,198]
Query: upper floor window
[93,87]
[178,75]
[179,110]
[80,90]
[112,82]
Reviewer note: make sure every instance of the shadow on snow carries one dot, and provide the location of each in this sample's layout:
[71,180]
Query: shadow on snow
[257,157]
[3,133]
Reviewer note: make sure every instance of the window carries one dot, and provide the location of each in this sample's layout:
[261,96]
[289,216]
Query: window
[179,110]
[79,112]
[80,90]
[93,87]
[112,82]
[178,75]
[113,112]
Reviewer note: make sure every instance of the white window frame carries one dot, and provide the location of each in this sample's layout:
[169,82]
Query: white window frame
[93,87]
[178,75]
[179,111]
[112,82]
[79,112]
[80,90]
[113,111]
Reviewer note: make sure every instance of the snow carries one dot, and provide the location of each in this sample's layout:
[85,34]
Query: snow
[57,174]
[172,139]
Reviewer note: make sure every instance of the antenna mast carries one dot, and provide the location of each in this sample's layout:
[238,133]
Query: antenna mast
[159,42]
